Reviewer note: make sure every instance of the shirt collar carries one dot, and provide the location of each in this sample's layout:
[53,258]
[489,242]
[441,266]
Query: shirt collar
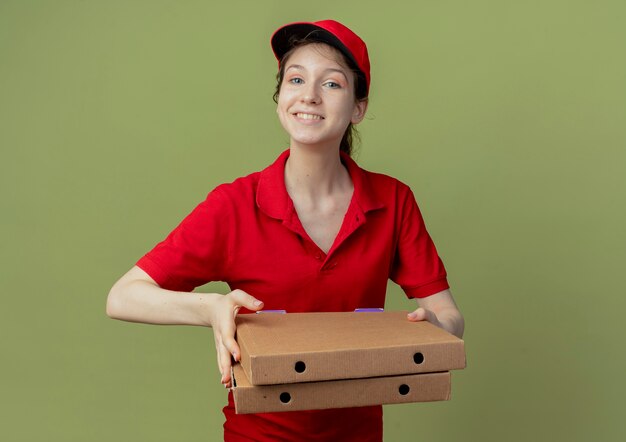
[272,197]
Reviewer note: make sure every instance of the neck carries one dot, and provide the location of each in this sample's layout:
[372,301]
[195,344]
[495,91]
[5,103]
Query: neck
[315,173]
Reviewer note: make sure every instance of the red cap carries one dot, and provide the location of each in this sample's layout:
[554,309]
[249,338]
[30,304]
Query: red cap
[326,31]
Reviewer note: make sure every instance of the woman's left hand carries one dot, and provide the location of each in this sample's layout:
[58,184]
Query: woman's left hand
[421,314]
[440,310]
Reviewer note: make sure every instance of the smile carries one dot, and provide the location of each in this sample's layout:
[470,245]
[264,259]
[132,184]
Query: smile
[308,116]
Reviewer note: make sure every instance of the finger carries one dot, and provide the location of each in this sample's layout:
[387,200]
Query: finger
[228,330]
[217,352]
[225,366]
[417,315]
[230,343]
[224,362]
[243,299]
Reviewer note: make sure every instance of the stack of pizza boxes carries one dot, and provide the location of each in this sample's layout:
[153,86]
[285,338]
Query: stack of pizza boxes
[307,361]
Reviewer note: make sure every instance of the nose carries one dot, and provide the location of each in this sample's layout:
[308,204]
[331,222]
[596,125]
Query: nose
[310,94]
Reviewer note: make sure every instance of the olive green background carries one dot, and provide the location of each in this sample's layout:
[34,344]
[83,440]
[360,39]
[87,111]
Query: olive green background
[507,119]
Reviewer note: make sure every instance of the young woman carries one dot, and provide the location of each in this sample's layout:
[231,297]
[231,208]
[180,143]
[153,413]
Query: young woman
[311,232]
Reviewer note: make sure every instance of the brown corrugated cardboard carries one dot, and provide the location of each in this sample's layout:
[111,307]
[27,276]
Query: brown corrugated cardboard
[305,347]
[338,394]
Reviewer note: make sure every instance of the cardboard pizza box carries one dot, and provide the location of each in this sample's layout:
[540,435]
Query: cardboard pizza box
[424,387]
[306,347]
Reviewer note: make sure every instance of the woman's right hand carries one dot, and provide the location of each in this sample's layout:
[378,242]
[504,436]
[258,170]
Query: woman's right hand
[137,297]
[222,315]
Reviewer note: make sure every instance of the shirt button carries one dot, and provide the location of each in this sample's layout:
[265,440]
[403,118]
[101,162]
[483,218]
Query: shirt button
[318,256]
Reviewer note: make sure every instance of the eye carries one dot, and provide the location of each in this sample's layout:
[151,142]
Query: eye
[332,85]
[296,80]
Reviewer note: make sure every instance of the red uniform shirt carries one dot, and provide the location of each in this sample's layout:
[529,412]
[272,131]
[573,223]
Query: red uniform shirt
[247,233]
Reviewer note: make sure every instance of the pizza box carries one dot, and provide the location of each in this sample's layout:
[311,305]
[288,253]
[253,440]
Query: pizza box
[342,393]
[308,347]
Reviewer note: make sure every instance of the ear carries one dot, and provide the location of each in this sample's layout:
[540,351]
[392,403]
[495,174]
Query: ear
[360,107]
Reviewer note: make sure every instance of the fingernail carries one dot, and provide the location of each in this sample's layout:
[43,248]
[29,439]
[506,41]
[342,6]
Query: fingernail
[412,315]
[257,303]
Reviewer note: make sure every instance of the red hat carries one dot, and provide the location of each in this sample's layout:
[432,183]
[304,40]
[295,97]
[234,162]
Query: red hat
[326,31]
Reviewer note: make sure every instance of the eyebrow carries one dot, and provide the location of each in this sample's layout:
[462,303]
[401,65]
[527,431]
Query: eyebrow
[297,66]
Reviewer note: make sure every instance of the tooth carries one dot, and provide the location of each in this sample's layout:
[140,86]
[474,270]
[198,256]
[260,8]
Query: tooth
[308,116]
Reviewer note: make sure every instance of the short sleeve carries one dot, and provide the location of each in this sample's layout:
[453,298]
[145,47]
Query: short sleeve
[417,267]
[196,251]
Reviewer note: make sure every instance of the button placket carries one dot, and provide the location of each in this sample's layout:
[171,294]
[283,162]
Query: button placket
[329,266]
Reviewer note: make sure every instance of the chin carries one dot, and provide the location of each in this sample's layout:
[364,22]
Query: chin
[313,143]
[312,140]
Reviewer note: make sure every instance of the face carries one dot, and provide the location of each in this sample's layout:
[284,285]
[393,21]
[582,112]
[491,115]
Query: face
[316,100]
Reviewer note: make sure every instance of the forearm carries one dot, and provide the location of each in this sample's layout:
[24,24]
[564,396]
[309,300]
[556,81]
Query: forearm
[452,321]
[143,301]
